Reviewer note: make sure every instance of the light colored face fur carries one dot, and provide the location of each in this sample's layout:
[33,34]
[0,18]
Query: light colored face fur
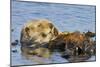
[38,31]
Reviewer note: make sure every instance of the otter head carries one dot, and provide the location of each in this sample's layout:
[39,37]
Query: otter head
[38,32]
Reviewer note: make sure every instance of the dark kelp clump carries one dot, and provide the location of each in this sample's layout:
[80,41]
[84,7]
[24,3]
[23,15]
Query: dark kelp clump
[75,46]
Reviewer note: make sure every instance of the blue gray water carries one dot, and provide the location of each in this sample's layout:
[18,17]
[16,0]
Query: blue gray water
[65,17]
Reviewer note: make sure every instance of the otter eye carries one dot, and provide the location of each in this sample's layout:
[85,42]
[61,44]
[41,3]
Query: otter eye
[39,25]
[44,35]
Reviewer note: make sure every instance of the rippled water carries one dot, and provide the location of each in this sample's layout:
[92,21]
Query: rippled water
[65,17]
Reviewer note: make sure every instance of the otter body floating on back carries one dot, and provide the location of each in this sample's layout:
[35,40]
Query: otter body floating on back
[74,45]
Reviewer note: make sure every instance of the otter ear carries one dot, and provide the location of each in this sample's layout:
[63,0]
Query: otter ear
[54,31]
[26,29]
[51,25]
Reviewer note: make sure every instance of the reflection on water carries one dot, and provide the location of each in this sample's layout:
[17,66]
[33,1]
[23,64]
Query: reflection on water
[64,17]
